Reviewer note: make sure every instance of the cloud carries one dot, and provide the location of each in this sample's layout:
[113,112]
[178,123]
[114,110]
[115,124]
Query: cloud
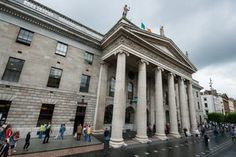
[204,28]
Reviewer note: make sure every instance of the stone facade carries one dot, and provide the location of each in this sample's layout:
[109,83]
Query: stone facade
[152,79]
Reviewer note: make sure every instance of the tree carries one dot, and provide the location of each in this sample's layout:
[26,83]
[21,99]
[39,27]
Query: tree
[230,117]
[216,117]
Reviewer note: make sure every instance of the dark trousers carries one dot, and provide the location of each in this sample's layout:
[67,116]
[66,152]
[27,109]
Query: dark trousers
[78,136]
[26,145]
[46,138]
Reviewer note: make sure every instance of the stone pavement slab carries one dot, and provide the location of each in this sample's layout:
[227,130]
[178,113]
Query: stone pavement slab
[37,146]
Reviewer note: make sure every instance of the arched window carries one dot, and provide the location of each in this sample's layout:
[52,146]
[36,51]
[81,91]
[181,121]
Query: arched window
[129,115]
[108,114]
[112,87]
[130,90]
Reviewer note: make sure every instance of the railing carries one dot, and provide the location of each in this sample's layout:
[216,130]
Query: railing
[55,15]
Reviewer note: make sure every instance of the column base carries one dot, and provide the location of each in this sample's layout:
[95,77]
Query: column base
[142,139]
[161,136]
[96,132]
[117,143]
[175,134]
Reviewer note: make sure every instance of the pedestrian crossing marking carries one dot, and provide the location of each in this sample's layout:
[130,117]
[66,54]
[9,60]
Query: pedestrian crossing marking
[146,153]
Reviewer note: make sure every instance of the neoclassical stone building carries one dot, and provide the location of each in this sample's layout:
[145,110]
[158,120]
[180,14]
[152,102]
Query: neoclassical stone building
[53,68]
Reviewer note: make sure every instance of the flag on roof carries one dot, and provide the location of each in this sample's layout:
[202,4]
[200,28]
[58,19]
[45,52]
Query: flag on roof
[142,25]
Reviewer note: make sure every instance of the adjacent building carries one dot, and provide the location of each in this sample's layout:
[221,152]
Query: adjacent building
[54,69]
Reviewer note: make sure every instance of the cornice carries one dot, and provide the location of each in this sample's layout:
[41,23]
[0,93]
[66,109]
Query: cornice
[48,24]
[121,31]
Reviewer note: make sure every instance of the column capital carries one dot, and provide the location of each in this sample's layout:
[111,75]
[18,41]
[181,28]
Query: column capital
[103,62]
[190,81]
[182,78]
[171,74]
[121,51]
[159,68]
[143,61]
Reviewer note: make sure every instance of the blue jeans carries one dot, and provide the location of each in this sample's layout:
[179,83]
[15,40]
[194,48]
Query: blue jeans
[89,138]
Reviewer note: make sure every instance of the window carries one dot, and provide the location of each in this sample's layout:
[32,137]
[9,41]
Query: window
[198,105]
[25,36]
[13,69]
[84,83]
[46,113]
[130,90]
[108,114]
[61,49]
[112,87]
[54,77]
[88,58]
[129,115]
[205,99]
[4,108]
[206,105]
[206,111]
[197,94]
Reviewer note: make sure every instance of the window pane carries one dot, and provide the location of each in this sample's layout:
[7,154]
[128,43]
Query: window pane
[84,83]
[88,57]
[54,77]
[13,70]
[25,36]
[112,87]
[61,49]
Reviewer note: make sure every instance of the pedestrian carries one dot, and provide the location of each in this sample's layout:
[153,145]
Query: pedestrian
[106,140]
[185,132]
[89,133]
[47,133]
[8,131]
[4,149]
[197,133]
[41,130]
[85,133]
[12,143]
[206,139]
[1,134]
[27,141]
[79,131]
[62,130]
[16,137]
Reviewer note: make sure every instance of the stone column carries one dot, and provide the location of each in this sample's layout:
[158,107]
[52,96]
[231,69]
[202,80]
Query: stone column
[118,118]
[173,113]
[192,108]
[142,103]
[101,98]
[183,105]
[160,115]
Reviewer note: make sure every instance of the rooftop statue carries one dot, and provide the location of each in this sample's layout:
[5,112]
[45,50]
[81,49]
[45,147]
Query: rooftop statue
[125,11]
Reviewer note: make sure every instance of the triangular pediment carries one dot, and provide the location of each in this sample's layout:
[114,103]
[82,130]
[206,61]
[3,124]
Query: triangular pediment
[159,44]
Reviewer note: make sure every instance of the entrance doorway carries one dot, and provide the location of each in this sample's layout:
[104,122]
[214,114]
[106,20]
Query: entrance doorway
[4,108]
[79,116]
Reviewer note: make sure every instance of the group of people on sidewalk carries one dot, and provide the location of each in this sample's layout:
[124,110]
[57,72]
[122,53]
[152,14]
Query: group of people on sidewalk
[8,140]
[84,131]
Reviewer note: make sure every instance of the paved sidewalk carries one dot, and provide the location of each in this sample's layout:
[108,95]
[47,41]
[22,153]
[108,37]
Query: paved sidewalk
[69,142]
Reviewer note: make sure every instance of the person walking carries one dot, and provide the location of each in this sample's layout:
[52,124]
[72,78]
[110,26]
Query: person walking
[85,133]
[4,149]
[89,133]
[79,131]
[62,130]
[47,133]
[8,131]
[106,140]
[27,141]
[206,139]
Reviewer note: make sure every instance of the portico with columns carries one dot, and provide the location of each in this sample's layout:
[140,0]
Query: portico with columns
[145,80]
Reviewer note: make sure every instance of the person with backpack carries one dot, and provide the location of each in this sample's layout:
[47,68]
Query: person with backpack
[85,133]
[89,133]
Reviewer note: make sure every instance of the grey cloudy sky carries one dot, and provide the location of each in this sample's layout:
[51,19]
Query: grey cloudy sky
[204,28]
